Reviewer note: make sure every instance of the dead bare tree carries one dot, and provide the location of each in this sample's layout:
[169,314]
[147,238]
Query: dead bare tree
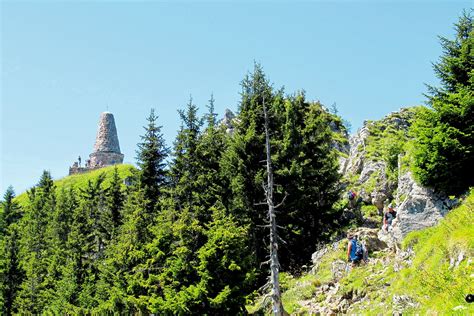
[274,283]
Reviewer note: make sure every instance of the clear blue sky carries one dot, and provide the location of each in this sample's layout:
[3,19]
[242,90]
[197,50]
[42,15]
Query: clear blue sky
[63,63]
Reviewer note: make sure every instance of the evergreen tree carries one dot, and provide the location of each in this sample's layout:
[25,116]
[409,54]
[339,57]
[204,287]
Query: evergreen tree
[185,165]
[307,165]
[10,273]
[444,151]
[305,168]
[207,269]
[212,144]
[242,164]
[59,255]
[34,248]
[11,211]
[123,279]
[151,156]
[115,200]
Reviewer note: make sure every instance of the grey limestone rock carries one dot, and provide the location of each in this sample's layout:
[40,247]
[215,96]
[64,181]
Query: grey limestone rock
[419,208]
[355,161]
[369,237]
[228,121]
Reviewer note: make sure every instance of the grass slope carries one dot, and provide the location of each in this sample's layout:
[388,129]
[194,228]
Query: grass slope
[434,280]
[80,180]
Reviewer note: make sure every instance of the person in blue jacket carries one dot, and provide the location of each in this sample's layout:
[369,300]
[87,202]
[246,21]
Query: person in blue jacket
[355,251]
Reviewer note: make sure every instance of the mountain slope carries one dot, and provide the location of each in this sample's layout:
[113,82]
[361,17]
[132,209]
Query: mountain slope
[431,274]
[80,180]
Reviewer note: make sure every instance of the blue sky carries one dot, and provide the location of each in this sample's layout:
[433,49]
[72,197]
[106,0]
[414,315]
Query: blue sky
[63,63]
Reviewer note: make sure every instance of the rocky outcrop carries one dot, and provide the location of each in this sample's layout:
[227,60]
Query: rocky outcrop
[228,121]
[354,163]
[369,237]
[371,179]
[419,207]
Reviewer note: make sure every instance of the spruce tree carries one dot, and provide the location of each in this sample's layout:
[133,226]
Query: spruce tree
[115,200]
[34,247]
[242,164]
[444,153]
[59,254]
[11,274]
[151,156]
[304,165]
[185,165]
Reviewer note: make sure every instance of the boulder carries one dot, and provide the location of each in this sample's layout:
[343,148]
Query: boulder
[339,268]
[369,237]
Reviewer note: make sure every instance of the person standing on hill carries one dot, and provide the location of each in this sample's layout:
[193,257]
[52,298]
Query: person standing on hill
[389,217]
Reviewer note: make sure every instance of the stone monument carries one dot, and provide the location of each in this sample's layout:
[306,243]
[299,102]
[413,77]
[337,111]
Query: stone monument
[106,149]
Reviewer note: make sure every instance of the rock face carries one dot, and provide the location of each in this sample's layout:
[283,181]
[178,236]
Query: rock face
[420,208]
[366,172]
[354,163]
[106,148]
[369,237]
[228,121]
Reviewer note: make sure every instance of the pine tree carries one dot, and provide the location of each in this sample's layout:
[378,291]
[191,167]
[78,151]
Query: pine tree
[58,236]
[305,168]
[199,253]
[444,151]
[212,144]
[243,161]
[34,247]
[115,200]
[11,274]
[151,156]
[185,165]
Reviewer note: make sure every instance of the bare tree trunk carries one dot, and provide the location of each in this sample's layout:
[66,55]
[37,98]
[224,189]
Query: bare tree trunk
[277,305]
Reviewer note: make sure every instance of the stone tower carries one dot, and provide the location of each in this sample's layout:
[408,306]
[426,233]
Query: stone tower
[106,149]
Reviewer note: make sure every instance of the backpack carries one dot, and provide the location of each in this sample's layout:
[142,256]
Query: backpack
[392,214]
[351,195]
[359,250]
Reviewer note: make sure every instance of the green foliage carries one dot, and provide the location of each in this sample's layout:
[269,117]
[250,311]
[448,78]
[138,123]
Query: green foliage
[369,211]
[184,237]
[436,285]
[10,273]
[387,140]
[151,155]
[431,279]
[428,279]
[443,157]
[304,163]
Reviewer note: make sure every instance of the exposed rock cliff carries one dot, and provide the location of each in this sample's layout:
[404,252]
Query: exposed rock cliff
[377,169]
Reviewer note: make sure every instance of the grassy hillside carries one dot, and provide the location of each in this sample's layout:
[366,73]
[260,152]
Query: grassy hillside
[431,275]
[80,180]
[433,280]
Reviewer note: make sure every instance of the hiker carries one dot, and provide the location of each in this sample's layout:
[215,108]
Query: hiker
[351,195]
[355,250]
[389,217]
